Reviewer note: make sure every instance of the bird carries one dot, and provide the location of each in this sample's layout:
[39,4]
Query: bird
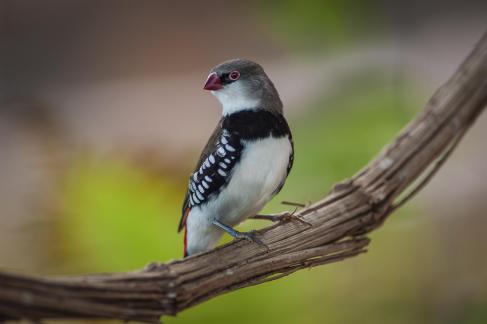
[245,162]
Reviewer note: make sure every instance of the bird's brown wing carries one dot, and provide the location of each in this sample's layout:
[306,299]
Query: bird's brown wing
[184,216]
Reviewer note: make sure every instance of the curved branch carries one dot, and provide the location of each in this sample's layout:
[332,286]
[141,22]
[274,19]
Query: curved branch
[338,225]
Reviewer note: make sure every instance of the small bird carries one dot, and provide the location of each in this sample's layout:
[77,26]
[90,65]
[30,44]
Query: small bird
[245,162]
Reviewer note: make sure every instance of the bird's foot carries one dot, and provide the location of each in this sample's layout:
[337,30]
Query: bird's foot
[283,217]
[249,236]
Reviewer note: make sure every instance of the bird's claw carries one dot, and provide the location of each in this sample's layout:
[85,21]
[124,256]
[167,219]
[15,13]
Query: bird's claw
[249,236]
[252,237]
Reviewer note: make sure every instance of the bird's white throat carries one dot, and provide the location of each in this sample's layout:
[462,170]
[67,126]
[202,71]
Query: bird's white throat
[234,98]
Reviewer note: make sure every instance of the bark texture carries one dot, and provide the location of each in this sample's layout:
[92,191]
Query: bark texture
[337,229]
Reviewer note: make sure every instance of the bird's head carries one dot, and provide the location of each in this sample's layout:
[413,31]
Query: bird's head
[242,84]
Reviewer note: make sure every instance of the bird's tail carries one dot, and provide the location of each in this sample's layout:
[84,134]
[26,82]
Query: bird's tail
[185,253]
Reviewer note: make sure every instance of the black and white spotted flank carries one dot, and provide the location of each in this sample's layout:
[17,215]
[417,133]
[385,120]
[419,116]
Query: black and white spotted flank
[215,170]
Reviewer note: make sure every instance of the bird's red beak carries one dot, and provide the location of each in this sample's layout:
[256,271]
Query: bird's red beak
[213,82]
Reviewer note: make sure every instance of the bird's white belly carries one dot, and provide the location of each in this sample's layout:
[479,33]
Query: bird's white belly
[262,168]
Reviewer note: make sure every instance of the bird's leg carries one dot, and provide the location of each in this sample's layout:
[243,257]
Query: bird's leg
[284,217]
[250,236]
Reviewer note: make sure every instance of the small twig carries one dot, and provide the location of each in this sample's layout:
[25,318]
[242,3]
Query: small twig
[290,203]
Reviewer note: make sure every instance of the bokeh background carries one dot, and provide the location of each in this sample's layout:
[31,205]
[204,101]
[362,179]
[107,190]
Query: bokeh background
[102,117]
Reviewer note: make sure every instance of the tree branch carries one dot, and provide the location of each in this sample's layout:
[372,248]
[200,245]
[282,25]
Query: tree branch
[339,222]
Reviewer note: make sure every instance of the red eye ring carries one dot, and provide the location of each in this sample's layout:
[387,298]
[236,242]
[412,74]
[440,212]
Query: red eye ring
[234,75]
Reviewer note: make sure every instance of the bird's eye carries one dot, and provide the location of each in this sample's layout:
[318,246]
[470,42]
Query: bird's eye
[234,75]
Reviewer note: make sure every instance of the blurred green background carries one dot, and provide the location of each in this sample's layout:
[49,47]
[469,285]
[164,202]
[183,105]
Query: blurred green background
[102,118]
